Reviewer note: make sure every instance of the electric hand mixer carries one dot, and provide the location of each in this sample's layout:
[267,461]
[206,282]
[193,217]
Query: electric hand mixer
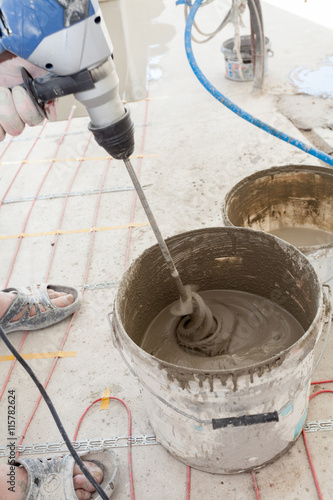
[69,39]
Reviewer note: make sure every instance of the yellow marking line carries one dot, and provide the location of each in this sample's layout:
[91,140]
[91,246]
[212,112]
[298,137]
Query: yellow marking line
[42,355]
[71,231]
[149,99]
[59,160]
[105,399]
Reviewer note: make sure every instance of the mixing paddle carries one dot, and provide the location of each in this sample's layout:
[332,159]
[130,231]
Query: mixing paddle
[200,330]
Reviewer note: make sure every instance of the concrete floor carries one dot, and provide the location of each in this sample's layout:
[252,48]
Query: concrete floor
[190,151]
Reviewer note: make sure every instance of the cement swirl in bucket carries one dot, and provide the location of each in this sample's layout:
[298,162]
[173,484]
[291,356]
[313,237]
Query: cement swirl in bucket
[291,196]
[224,421]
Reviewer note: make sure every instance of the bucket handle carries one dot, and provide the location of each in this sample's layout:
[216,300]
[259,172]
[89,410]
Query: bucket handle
[327,312]
[261,418]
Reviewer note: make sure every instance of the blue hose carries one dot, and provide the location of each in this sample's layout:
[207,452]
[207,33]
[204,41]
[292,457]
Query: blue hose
[233,107]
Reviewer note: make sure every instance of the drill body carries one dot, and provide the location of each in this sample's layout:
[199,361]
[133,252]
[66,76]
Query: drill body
[69,39]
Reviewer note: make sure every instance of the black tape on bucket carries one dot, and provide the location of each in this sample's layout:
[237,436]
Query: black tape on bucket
[262,418]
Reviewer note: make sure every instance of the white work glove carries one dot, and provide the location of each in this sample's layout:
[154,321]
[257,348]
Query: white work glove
[16,107]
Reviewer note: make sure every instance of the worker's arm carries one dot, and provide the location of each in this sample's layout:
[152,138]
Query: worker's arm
[16,107]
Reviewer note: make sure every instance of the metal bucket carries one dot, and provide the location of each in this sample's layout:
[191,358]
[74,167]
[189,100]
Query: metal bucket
[225,421]
[288,196]
[242,72]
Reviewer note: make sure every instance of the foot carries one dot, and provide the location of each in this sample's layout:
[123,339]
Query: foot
[82,487]
[59,299]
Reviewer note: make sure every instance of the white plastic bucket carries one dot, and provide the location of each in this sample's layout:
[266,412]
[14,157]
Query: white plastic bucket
[223,421]
[241,72]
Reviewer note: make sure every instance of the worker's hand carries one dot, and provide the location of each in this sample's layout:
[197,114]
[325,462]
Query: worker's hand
[16,107]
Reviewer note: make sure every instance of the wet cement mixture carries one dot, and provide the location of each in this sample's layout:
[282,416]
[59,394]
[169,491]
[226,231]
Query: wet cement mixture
[262,330]
[303,236]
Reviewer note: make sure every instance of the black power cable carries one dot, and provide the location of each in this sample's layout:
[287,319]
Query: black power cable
[54,413]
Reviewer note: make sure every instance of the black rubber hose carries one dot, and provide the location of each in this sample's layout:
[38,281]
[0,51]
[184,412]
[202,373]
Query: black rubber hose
[54,413]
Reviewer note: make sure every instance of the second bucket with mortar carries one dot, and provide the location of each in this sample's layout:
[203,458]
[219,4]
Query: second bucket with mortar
[240,418]
[294,202]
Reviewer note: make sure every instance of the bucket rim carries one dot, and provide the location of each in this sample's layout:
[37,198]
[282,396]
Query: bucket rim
[245,40]
[276,360]
[269,172]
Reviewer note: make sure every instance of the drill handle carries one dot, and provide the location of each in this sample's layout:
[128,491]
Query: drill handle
[50,87]
[117,137]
